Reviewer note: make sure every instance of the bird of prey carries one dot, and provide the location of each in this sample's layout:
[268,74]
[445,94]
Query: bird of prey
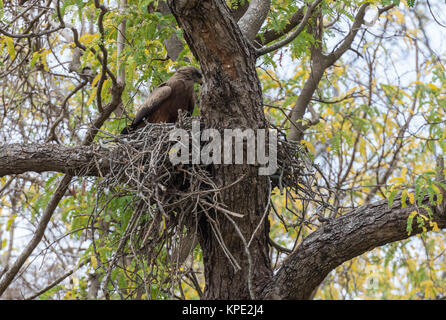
[163,103]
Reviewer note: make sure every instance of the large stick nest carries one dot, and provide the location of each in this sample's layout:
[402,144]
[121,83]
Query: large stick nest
[164,201]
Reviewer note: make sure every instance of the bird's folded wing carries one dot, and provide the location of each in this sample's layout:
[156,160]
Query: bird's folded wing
[152,103]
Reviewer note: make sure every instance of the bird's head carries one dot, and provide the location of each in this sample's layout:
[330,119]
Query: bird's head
[191,73]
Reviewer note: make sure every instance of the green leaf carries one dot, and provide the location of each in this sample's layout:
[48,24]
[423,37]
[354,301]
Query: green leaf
[10,221]
[403,199]
[391,197]
[34,59]
[409,225]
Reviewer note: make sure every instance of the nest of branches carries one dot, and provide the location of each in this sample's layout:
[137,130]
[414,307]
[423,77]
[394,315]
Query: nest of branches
[163,201]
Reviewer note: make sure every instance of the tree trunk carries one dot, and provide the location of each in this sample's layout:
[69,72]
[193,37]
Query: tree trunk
[230,98]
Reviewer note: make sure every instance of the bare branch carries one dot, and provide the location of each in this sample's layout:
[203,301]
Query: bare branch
[56,282]
[121,42]
[120,48]
[52,134]
[347,42]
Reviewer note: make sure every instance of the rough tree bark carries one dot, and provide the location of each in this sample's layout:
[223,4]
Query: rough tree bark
[18,158]
[253,19]
[231,98]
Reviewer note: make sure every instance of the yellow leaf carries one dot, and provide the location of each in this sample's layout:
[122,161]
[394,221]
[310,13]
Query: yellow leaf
[411,265]
[432,86]
[92,96]
[308,145]
[86,39]
[327,112]
[349,92]
[436,189]
[404,173]
[43,56]
[10,221]
[434,226]
[397,179]
[428,289]
[10,46]
[403,194]
[399,16]
[411,197]
[95,80]
[94,261]
[338,70]
[164,223]
[68,295]
[418,82]
[429,293]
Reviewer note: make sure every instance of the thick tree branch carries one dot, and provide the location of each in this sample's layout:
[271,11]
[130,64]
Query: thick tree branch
[272,35]
[75,161]
[254,17]
[340,240]
[292,35]
[297,127]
